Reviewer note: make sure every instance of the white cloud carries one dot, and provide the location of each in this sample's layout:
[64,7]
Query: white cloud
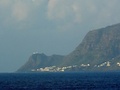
[5,2]
[51,8]
[77,12]
[58,9]
[20,10]
[74,9]
[67,11]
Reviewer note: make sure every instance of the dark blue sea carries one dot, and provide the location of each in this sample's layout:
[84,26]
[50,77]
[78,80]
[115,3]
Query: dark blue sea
[60,81]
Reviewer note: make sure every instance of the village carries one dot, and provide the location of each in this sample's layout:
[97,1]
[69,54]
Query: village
[62,69]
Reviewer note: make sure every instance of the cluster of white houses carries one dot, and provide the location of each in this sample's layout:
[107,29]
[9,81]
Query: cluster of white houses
[53,69]
[62,69]
[107,64]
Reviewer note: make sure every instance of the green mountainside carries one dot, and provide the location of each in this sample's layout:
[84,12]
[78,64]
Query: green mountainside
[99,51]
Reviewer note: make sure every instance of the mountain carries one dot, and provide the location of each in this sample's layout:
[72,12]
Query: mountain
[41,60]
[99,50]
[98,46]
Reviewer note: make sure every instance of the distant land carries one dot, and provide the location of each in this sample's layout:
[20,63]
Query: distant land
[99,51]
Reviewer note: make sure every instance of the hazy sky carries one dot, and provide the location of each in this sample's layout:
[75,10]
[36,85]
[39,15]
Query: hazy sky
[49,26]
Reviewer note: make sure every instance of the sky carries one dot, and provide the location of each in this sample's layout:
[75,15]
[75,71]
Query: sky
[49,26]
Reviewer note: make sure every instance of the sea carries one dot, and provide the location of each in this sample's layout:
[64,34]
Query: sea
[60,81]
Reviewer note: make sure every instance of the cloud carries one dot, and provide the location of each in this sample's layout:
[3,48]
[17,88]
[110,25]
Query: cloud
[61,9]
[77,12]
[70,12]
[52,4]
[20,10]
[87,11]
[37,2]
[58,9]
[65,11]
[5,3]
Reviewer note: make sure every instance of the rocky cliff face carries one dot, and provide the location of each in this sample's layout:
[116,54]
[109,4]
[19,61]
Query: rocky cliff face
[97,46]
[100,49]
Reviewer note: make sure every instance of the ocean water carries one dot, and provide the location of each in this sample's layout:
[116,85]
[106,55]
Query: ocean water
[60,81]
